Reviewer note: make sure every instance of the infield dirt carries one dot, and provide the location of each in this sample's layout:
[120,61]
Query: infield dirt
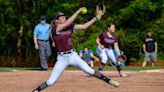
[78,81]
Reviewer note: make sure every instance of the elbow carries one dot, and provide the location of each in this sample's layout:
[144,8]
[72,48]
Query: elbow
[98,42]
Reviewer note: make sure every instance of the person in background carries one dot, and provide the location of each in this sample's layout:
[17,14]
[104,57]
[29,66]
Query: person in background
[105,43]
[41,41]
[88,57]
[149,48]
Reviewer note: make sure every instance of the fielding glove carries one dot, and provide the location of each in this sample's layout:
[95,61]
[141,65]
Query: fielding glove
[100,10]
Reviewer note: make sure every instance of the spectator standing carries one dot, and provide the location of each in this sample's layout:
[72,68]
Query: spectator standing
[149,48]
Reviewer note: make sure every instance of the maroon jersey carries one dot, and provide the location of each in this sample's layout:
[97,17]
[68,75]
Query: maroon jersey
[108,40]
[63,38]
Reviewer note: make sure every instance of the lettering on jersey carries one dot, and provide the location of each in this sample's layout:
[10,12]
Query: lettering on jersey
[109,40]
[148,39]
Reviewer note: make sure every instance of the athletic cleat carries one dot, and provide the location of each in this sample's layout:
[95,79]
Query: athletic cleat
[123,75]
[114,83]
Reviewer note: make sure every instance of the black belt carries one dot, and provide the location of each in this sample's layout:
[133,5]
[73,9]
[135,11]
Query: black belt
[67,52]
[44,40]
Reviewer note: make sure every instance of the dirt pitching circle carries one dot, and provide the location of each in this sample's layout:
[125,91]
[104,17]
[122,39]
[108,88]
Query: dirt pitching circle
[78,81]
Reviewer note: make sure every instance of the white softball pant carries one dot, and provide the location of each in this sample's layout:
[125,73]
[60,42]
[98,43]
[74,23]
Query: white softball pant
[64,60]
[106,53]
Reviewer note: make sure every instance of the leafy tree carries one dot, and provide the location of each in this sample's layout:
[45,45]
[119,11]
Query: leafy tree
[131,17]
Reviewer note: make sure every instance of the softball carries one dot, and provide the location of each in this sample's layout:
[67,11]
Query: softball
[84,11]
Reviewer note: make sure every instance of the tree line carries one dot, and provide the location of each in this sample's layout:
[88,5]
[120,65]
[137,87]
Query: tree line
[131,17]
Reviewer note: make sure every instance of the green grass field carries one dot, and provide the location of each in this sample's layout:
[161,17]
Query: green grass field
[130,68]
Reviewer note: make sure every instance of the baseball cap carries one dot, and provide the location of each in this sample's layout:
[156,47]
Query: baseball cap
[58,14]
[42,17]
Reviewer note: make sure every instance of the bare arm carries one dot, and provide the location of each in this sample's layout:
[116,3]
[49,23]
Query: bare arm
[94,57]
[35,42]
[70,20]
[116,47]
[81,55]
[144,48]
[86,25]
[99,44]
[156,46]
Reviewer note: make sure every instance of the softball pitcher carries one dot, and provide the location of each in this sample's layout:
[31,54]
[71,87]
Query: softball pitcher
[62,37]
[105,42]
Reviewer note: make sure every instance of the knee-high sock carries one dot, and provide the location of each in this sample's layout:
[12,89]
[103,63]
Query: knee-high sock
[101,66]
[119,69]
[101,76]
